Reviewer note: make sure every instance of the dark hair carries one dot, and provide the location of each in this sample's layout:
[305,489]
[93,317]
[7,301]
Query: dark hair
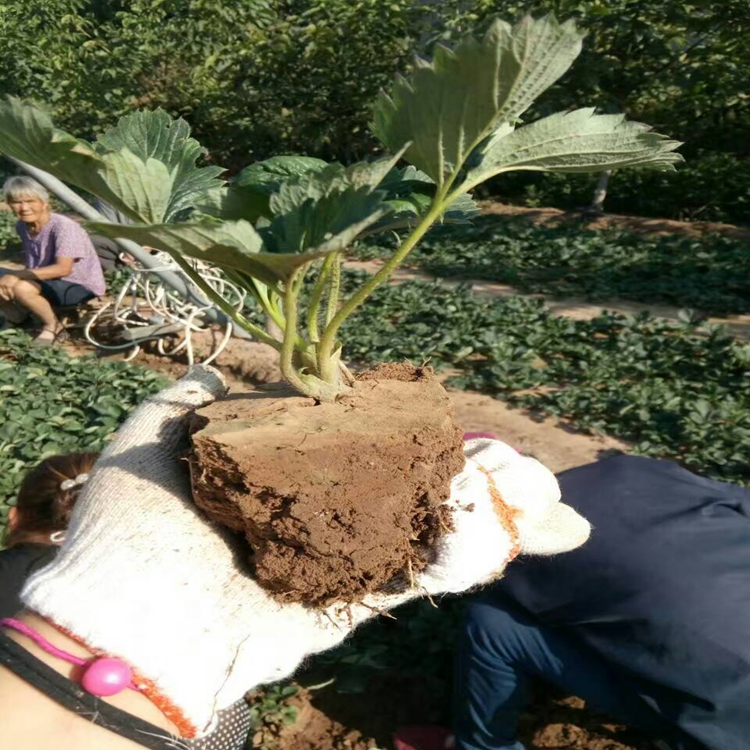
[43,506]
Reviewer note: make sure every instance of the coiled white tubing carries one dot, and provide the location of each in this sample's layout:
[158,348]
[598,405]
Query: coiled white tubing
[146,290]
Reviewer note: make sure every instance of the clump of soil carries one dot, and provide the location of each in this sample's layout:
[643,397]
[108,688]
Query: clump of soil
[336,499]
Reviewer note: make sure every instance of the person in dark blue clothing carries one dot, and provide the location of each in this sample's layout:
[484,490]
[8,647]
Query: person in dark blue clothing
[649,621]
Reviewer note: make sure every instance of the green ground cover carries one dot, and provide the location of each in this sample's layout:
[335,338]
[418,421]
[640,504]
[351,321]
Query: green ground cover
[710,273]
[53,403]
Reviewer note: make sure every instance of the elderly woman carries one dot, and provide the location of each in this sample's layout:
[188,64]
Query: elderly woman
[62,267]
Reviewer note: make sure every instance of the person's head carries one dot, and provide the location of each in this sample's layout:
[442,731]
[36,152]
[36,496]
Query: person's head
[46,499]
[28,199]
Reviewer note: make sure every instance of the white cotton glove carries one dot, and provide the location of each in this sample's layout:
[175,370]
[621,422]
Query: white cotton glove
[145,577]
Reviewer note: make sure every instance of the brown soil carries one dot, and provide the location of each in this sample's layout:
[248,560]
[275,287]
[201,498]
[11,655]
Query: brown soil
[312,730]
[327,720]
[336,499]
[637,224]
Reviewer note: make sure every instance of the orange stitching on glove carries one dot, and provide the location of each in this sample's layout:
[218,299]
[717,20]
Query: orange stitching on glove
[505,513]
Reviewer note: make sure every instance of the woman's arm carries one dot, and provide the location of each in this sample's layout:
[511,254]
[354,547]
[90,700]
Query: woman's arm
[61,268]
[30,719]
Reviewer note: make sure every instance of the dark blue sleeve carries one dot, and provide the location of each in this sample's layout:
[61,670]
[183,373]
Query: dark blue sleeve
[661,590]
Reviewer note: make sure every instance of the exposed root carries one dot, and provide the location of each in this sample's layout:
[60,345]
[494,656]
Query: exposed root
[379,611]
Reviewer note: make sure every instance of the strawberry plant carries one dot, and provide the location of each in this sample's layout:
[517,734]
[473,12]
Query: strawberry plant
[270,712]
[455,121]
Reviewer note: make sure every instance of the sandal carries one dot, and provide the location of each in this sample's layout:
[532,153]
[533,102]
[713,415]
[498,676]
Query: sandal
[49,338]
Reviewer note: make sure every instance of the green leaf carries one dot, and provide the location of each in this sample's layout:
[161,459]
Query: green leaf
[144,189]
[326,209]
[578,141]
[144,167]
[410,193]
[462,211]
[156,136]
[248,196]
[269,175]
[28,134]
[235,245]
[282,183]
[372,174]
[451,104]
[331,221]
[233,203]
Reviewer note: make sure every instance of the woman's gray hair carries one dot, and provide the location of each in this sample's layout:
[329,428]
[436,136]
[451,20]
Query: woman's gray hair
[18,186]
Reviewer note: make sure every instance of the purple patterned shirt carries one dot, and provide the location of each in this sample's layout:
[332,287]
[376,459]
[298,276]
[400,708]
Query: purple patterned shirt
[62,237]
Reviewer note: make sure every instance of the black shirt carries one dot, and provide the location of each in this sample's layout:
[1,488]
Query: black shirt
[16,564]
[661,590]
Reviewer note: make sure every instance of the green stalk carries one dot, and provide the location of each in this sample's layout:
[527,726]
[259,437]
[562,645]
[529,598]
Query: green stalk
[290,334]
[308,384]
[334,289]
[250,285]
[268,298]
[272,310]
[223,305]
[440,203]
[328,367]
[316,297]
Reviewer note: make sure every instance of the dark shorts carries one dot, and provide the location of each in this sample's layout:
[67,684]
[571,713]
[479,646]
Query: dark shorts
[60,293]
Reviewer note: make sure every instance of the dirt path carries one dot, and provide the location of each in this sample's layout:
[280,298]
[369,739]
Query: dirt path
[579,309]
[638,224]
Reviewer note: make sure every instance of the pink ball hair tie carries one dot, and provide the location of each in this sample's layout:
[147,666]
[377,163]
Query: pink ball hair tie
[102,676]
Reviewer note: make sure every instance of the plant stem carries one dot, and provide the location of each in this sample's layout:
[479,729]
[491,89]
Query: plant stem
[271,309]
[334,289]
[259,291]
[316,298]
[223,305]
[290,333]
[306,383]
[328,368]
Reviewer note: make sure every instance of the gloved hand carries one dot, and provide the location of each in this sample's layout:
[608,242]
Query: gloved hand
[145,577]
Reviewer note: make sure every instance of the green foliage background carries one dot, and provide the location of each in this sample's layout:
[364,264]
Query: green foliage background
[262,77]
[53,403]
[709,273]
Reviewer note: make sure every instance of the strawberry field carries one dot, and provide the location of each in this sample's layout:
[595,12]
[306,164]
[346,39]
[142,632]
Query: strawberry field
[677,390]
[330,213]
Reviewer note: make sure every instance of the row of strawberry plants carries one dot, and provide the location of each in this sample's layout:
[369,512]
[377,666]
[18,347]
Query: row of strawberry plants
[710,273]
